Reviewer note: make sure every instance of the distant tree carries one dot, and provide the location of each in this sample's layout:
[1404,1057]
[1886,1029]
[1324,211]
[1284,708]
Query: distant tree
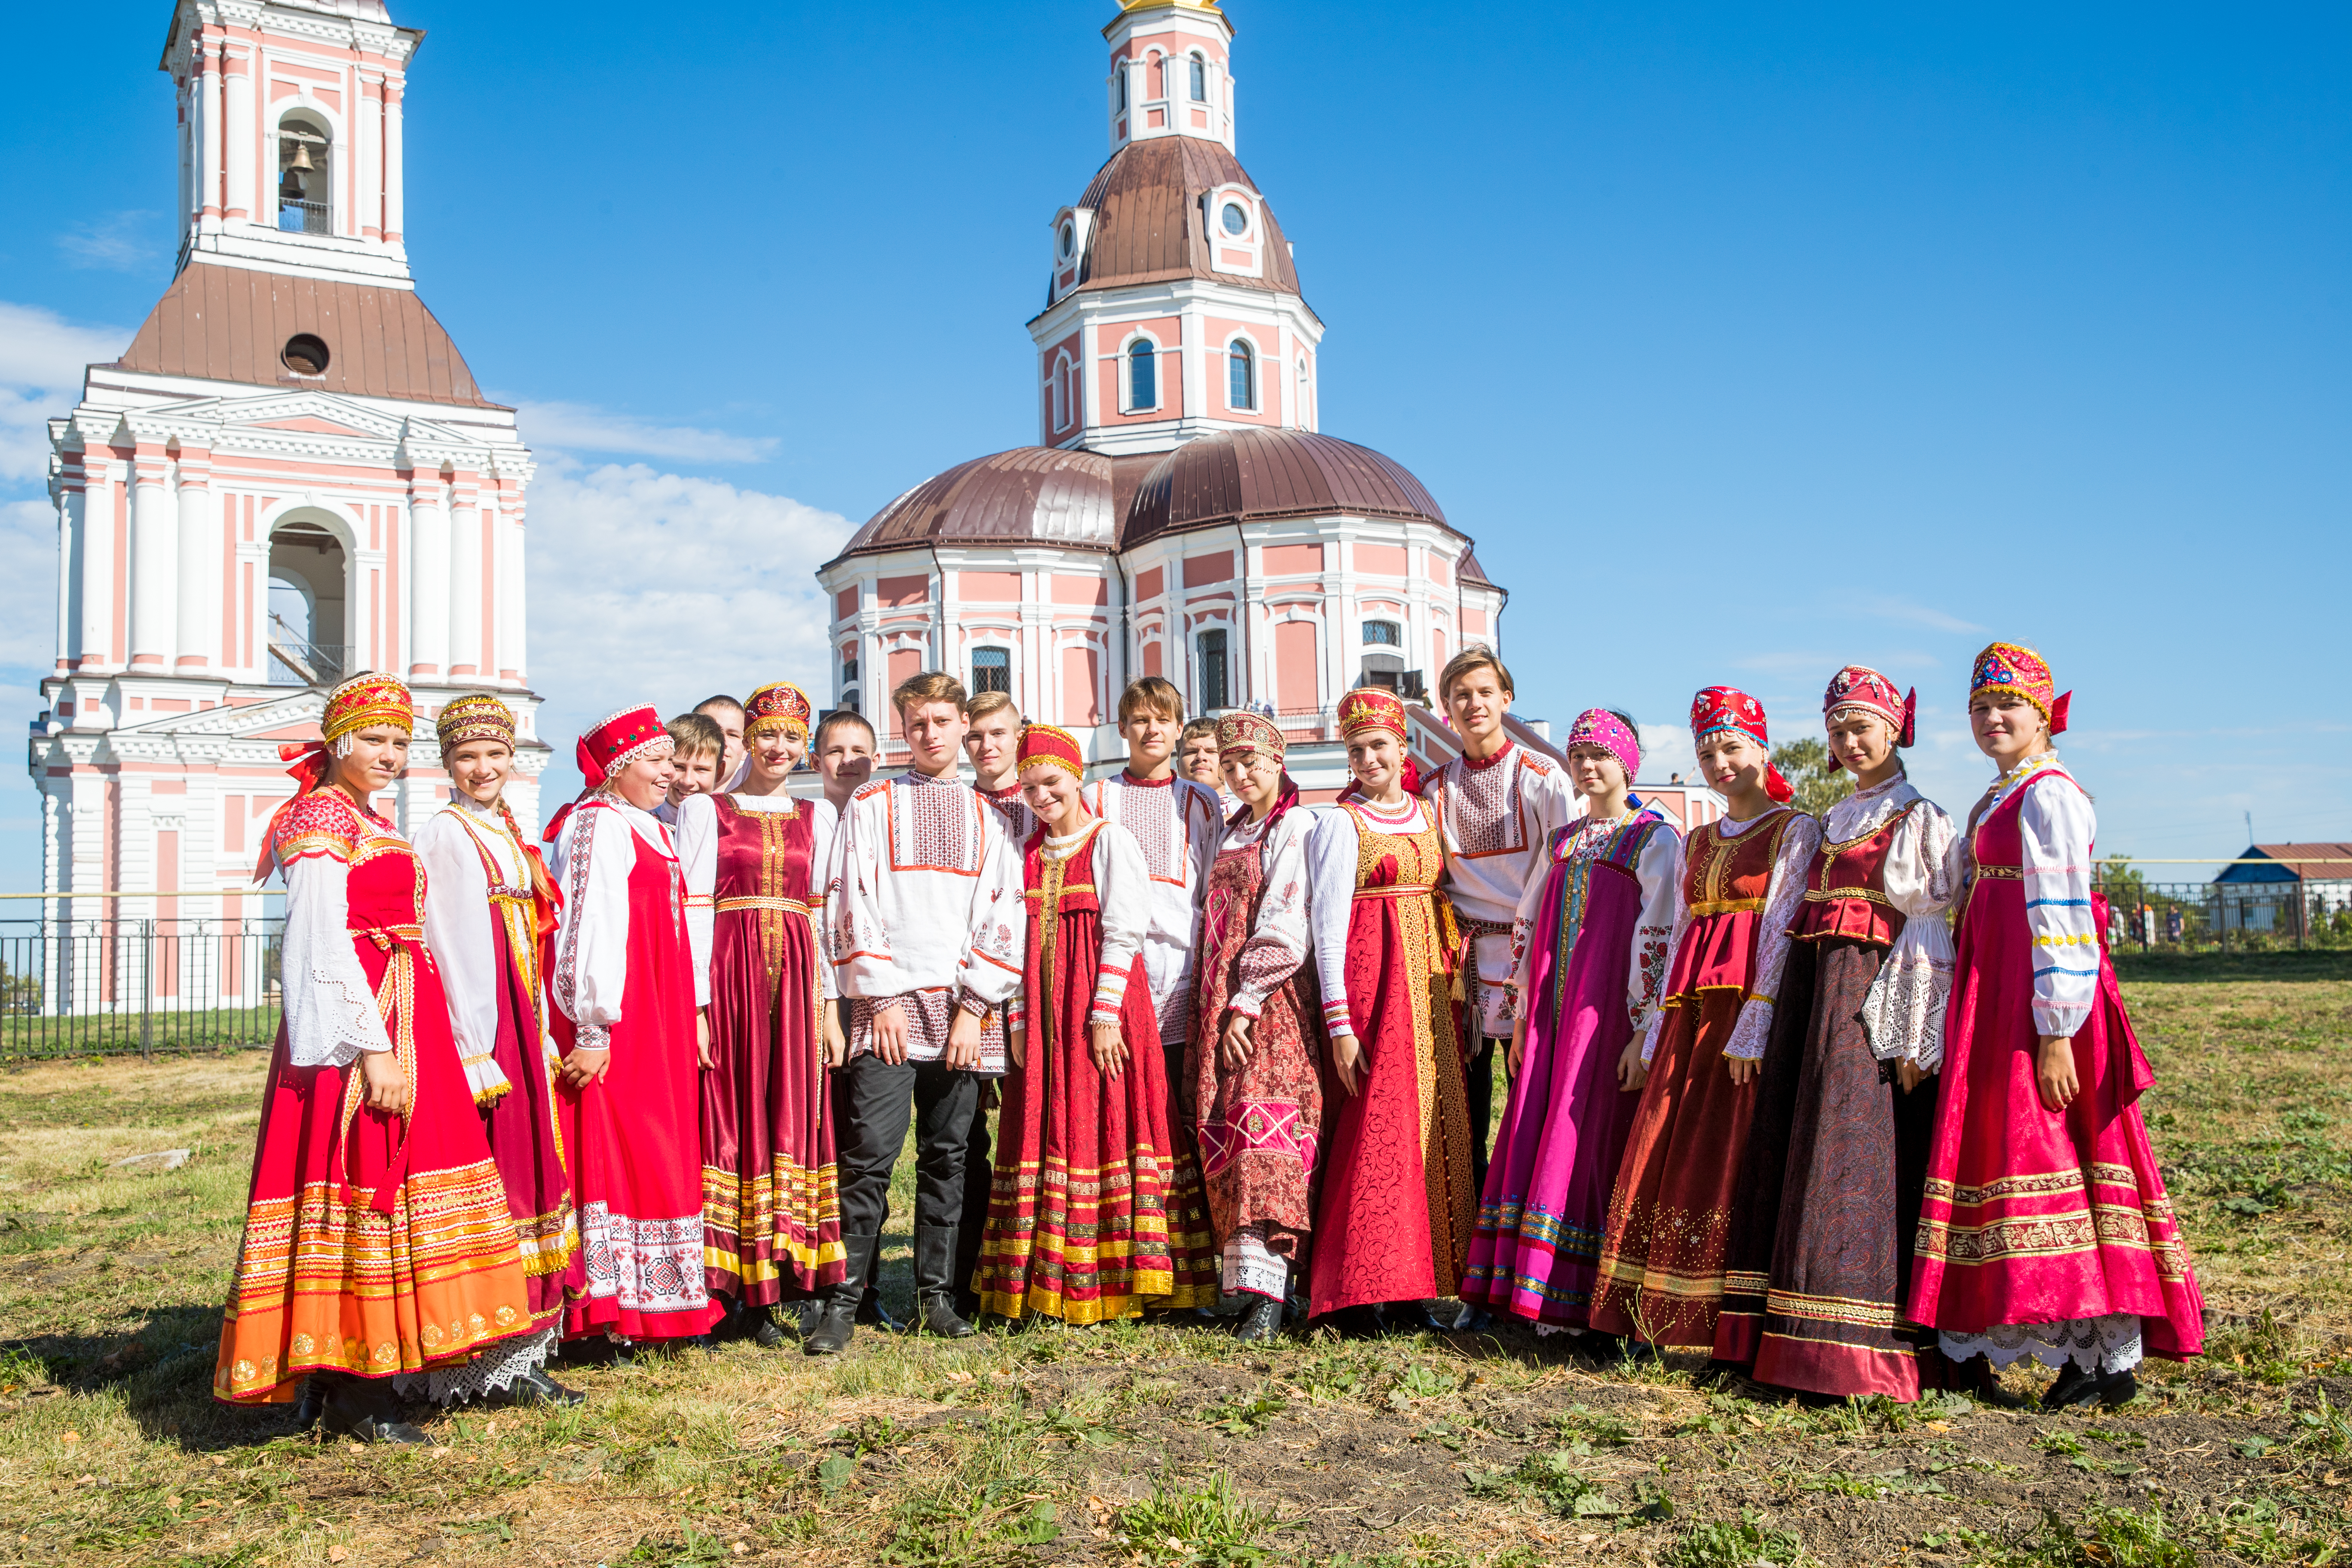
[1806,766]
[2123,886]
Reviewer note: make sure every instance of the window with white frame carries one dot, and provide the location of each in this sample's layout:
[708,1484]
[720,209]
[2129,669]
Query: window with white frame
[1142,375]
[1213,691]
[1200,80]
[991,670]
[1241,375]
[1383,634]
[1061,392]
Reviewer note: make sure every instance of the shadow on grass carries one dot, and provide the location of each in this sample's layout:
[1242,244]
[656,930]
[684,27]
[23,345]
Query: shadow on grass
[163,1373]
[2158,967]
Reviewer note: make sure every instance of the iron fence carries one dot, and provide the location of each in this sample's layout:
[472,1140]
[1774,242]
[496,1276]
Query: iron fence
[2228,916]
[112,986]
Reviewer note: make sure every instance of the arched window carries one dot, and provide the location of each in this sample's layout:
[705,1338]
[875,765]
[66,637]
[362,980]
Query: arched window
[1200,80]
[991,670]
[1209,647]
[1160,65]
[1241,377]
[1121,72]
[1143,376]
[1061,394]
[305,177]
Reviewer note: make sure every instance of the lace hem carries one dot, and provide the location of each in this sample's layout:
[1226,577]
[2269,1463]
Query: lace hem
[1250,1268]
[494,1371]
[1903,1012]
[2107,1344]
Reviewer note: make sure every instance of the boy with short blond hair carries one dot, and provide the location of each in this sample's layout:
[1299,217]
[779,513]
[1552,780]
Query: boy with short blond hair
[993,744]
[698,747]
[1197,758]
[1179,824]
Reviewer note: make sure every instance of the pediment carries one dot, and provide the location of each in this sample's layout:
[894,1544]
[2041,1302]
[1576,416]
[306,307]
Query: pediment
[293,716]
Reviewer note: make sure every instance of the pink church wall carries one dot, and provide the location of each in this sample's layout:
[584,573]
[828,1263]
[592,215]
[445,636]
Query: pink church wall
[989,587]
[1150,586]
[897,591]
[1440,572]
[1294,665]
[1070,590]
[1288,559]
[1204,569]
[1473,622]
[845,605]
[1380,560]
[1080,703]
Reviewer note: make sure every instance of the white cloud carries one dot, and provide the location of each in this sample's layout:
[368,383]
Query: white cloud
[1904,612]
[42,356]
[582,428]
[29,590]
[123,243]
[655,587]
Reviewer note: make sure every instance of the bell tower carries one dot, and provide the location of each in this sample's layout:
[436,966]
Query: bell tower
[289,476]
[1170,71]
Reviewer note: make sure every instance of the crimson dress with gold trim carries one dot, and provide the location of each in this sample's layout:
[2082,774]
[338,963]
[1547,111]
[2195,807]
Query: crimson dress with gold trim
[373,1245]
[1096,1210]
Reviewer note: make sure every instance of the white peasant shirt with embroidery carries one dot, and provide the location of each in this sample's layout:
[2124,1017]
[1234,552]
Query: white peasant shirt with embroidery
[1496,816]
[1903,1012]
[1658,869]
[2056,829]
[460,929]
[331,1011]
[1331,852]
[1783,892]
[1177,827]
[1279,939]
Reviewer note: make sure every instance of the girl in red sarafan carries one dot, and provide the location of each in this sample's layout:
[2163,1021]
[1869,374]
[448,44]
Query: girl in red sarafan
[629,1022]
[377,1240]
[490,917]
[1393,1223]
[1096,1212]
[1698,1193]
[2045,1231]
[771,1194]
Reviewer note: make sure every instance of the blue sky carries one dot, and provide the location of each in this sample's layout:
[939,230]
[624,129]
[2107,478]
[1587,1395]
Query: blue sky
[1745,341]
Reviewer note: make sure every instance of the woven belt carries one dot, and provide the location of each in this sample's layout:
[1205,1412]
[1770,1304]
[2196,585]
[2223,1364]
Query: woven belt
[761,901]
[1725,906]
[385,936]
[1481,928]
[1403,890]
[697,900]
[2015,873]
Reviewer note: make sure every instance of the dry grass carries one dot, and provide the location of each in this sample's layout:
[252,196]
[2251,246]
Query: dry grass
[1164,1445]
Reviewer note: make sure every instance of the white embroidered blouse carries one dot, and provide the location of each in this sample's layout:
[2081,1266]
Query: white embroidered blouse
[458,844]
[1122,889]
[2056,830]
[1658,870]
[595,853]
[1176,826]
[1331,851]
[331,1011]
[1903,1012]
[1279,941]
[1782,893]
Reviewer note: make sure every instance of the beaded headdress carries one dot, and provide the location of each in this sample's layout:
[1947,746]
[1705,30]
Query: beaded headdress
[1251,734]
[478,716]
[1599,727]
[1858,689]
[363,701]
[1371,708]
[779,705]
[2015,670]
[1719,707]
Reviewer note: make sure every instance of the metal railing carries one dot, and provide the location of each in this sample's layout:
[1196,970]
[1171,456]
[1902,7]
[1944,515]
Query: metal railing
[294,661]
[2233,917]
[304,217]
[115,984]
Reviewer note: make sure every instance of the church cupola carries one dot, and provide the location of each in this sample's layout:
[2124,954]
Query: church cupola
[1170,72]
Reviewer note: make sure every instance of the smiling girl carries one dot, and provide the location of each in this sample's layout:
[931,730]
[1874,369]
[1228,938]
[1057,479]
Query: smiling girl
[1691,1188]
[2045,1231]
[1095,1211]
[1392,1226]
[377,1240]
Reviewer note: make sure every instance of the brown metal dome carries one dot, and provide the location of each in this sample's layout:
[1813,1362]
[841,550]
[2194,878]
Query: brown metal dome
[1041,494]
[1248,476]
[1149,226]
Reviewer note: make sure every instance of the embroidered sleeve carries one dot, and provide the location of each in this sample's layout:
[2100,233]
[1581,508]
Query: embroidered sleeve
[696,836]
[1277,943]
[824,834]
[1330,896]
[319,824]
[1123,889]
[1782,894]
[1680,929]
[998,929]
[458,933]
[1557,846]
[592,953]
[1660,872]
[331,1011]
[1903,1012]
[2057,825]
[857,937]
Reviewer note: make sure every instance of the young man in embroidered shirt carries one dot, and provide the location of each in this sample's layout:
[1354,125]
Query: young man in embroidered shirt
[1178,824]
[925,929]
[993,744]
[1498,803]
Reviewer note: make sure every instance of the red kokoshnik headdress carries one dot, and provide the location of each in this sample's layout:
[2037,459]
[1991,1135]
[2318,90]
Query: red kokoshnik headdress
[1376,708]
[1045,744]
[2015,670]
[779,705]
[611,745]
[1858,689]
[1720,708]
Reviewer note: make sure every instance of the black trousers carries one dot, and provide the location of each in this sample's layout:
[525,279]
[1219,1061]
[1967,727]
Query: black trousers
[1478,1089]
[878,1097]
[978,1176]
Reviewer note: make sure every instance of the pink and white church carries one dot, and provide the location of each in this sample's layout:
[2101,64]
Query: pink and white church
[1182,512]
[290,475]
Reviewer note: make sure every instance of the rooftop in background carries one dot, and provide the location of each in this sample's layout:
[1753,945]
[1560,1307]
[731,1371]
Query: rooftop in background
[2294,863]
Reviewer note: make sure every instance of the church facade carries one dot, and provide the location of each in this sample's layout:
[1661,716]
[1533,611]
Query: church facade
[289,476]
[1182,512]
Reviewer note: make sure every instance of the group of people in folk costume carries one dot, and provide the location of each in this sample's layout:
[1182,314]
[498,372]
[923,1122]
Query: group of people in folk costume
[1239,1049]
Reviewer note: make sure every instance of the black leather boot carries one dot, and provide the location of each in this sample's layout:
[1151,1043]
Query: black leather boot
[309,1405]
[366,1410]
[935,1257]
[2076,1385]
[1260,1320]
[838,1322]
[770,1332]
[535,1387]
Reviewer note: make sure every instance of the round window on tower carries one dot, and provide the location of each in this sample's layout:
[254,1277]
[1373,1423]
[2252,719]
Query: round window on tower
[304,355]
[1069,239]
[1236,219]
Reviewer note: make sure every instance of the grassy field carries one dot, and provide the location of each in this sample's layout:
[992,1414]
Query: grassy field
[1155,1445]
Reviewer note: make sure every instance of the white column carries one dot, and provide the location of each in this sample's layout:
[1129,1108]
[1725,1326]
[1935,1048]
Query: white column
[238,133]
[428,590]
[69,546]
[154,566]
[465,585]
[99,565]
[393,218]
[208,201]
[198,638]
[367,159]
